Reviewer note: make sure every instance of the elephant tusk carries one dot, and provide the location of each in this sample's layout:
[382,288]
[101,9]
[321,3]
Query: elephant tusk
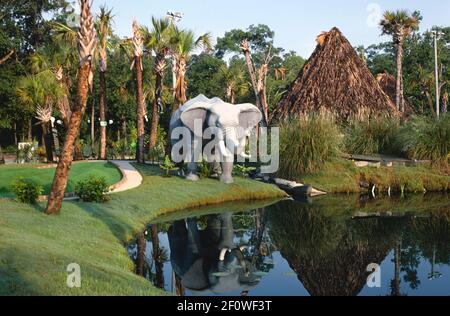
[223,150]
[223,253]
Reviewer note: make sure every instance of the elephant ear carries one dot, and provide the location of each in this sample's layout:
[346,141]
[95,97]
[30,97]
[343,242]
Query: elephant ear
[249,116]
[195,111]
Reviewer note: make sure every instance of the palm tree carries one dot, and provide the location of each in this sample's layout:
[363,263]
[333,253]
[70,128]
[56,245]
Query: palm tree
[158,41]
[183,45]
[39,92]
[400,25]
[104,32]
[234,80]
[87,42]
[138,50]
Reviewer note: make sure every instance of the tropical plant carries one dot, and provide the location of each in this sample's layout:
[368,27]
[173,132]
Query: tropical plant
[103,25]
[138,51]
[234,81]
[400,25]
[307,143]
[87,42]
[39,92]
[158,40]
[183,45]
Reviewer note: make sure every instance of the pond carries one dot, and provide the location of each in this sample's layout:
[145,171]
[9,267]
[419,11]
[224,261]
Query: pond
[319,247]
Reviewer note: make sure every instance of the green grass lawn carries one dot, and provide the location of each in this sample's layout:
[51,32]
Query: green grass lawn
[344,177]
[43,175]
[35,249]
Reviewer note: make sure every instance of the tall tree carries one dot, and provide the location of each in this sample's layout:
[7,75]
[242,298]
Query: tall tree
[184,44]
[258,78]
[87,42]
[138,50]
[158,41]
[399,24]
[104,32]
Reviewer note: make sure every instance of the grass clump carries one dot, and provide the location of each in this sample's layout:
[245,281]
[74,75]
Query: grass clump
[424,138]
[366,135]
[307,143]
[26,191]
[92,189]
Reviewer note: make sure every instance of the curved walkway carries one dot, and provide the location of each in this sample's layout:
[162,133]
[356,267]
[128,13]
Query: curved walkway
[131,178]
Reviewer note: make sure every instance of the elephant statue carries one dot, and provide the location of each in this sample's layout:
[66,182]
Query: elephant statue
[229,123]
[208,260]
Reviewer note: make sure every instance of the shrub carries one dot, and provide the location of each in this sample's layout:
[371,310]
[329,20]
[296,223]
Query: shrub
[307,143]
[243,171]
[168,166]
[424,138]
[367,135]
[92,189]
[26,191]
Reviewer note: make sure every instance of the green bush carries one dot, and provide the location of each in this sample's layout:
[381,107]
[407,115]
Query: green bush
[424,138]
[242,171]
[167,166]
[307,143]
[92,189]
[26,191]
[371,135]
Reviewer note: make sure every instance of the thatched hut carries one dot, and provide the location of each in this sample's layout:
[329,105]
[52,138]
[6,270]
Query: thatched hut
[388,83]
[337,79]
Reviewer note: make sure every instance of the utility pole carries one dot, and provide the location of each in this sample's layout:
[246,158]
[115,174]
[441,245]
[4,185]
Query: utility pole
[437,34]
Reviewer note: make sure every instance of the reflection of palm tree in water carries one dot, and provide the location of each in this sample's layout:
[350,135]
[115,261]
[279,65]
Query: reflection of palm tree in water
[158,257]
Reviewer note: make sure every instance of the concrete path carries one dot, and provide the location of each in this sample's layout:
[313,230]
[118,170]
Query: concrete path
[131,178]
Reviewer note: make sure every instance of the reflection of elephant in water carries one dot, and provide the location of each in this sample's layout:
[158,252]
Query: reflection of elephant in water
[208,259]
[229,123]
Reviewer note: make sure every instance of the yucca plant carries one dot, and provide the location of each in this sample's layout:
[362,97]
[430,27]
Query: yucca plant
[307,143]
[424,138]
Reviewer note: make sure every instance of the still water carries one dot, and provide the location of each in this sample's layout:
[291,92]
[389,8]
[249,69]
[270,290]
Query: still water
[320,247]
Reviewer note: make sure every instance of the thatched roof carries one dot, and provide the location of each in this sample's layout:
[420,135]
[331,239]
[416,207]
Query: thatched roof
[337,79]
[388,83]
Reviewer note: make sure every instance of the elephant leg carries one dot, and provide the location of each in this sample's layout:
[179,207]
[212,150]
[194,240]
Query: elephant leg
[227,169]
[192,172]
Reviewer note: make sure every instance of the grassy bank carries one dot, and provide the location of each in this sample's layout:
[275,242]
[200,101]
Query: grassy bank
[344,177]
[35,249]
[43,175]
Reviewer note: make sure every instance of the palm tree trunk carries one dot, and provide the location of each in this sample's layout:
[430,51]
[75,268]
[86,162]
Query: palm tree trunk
[15,133]
[399,91]
[48,144]
[93,124]
[181,86]
[140,259]
[140,111]
[157,258]
[65,161]
[102,113]
[30,131]
[160,66]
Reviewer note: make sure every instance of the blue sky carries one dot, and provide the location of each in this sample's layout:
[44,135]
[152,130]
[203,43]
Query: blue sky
[296,23]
